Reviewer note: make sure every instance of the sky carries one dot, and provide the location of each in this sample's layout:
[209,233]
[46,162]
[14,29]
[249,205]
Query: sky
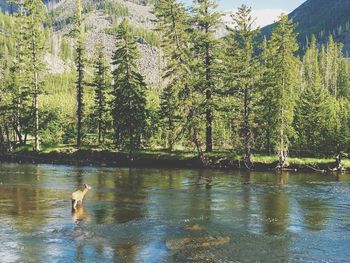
[266,11]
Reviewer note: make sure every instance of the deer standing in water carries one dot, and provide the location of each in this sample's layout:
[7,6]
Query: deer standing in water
[78,196]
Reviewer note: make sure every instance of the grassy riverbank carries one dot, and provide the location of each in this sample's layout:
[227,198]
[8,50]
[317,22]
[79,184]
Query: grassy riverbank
[65,154]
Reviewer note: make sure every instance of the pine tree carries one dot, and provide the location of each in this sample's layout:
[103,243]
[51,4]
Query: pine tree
[65,49]
[266,118]
[21,77]
[80,65]
[333,59]
[311,118]
[101,86]
[206,49]
[172,24]
[3,106]
[6,107]
[330,65]
[281,82]
[242,72]
[324,67]
[35,12]
[344,80]
[129,102]
[310,61]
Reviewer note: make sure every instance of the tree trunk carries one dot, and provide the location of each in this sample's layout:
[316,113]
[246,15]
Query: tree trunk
[18,133]
[99,132]
[36,115]
[80,92]
[209,112]
[2,141]
[9,143]
[338,166]
[246,131]
[268,141]
[209,122]
[198,144]
[171,136]
[79,115]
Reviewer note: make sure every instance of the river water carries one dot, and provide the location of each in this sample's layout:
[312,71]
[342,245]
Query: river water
[150,215]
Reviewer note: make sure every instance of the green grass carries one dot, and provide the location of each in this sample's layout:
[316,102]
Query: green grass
[267,159]
[185,155]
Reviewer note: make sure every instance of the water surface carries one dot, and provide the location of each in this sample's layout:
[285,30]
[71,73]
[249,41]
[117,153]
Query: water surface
[150,215]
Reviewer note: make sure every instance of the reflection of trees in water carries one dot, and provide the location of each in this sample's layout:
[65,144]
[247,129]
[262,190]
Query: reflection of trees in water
[129,204]
[79,177]
[282,179]
[275,206]
[26,199]
[130,197]
[26,205]
[199,196]
[316,212]
[79,252]
[102,212]
[126,252]
[246,200]
[275,215]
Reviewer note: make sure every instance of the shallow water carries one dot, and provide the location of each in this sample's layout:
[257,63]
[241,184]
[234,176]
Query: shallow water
[149,215]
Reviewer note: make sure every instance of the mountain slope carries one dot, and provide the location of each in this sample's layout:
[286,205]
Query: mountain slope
[321,18]
[101,20]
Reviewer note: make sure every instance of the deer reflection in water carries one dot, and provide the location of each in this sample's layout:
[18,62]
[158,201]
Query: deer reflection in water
[80,214]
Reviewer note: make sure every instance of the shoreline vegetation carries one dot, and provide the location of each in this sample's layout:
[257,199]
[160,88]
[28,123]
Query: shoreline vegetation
[69,155]
[242,92]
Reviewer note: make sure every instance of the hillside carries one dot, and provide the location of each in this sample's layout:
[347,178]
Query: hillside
[101,20]
[322,18]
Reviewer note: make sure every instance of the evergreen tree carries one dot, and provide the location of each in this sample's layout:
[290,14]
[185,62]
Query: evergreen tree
[344,79]
[310,62]
[129,102]
[331,67]
[313,108]
[324,67]
[101,86]
[6,107]
[266,117]
[35,12]
[21,77]
[342,135]
[281,82]
[333,62]
[65,50]
[242,72]
[80,65]
[206,49]
[172,24]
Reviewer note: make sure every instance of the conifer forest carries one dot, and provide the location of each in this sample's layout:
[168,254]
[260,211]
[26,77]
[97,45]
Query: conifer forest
[246,92]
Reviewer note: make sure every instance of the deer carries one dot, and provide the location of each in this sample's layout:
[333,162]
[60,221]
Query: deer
[78,196]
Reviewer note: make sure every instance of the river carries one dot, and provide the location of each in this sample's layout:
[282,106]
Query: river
[153,215]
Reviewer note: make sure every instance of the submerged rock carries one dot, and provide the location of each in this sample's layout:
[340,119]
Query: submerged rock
[194,227]
[200,242]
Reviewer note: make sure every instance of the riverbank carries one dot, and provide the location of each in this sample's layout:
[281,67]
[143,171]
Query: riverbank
[163,159]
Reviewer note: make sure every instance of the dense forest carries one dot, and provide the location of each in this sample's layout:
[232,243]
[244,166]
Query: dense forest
[243,93]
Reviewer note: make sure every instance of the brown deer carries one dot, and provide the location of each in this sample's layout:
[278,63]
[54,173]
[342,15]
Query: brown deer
[78,196]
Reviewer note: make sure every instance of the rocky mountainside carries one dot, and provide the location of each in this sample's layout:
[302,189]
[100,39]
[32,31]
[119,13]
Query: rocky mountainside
[322,18]
[101,20]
